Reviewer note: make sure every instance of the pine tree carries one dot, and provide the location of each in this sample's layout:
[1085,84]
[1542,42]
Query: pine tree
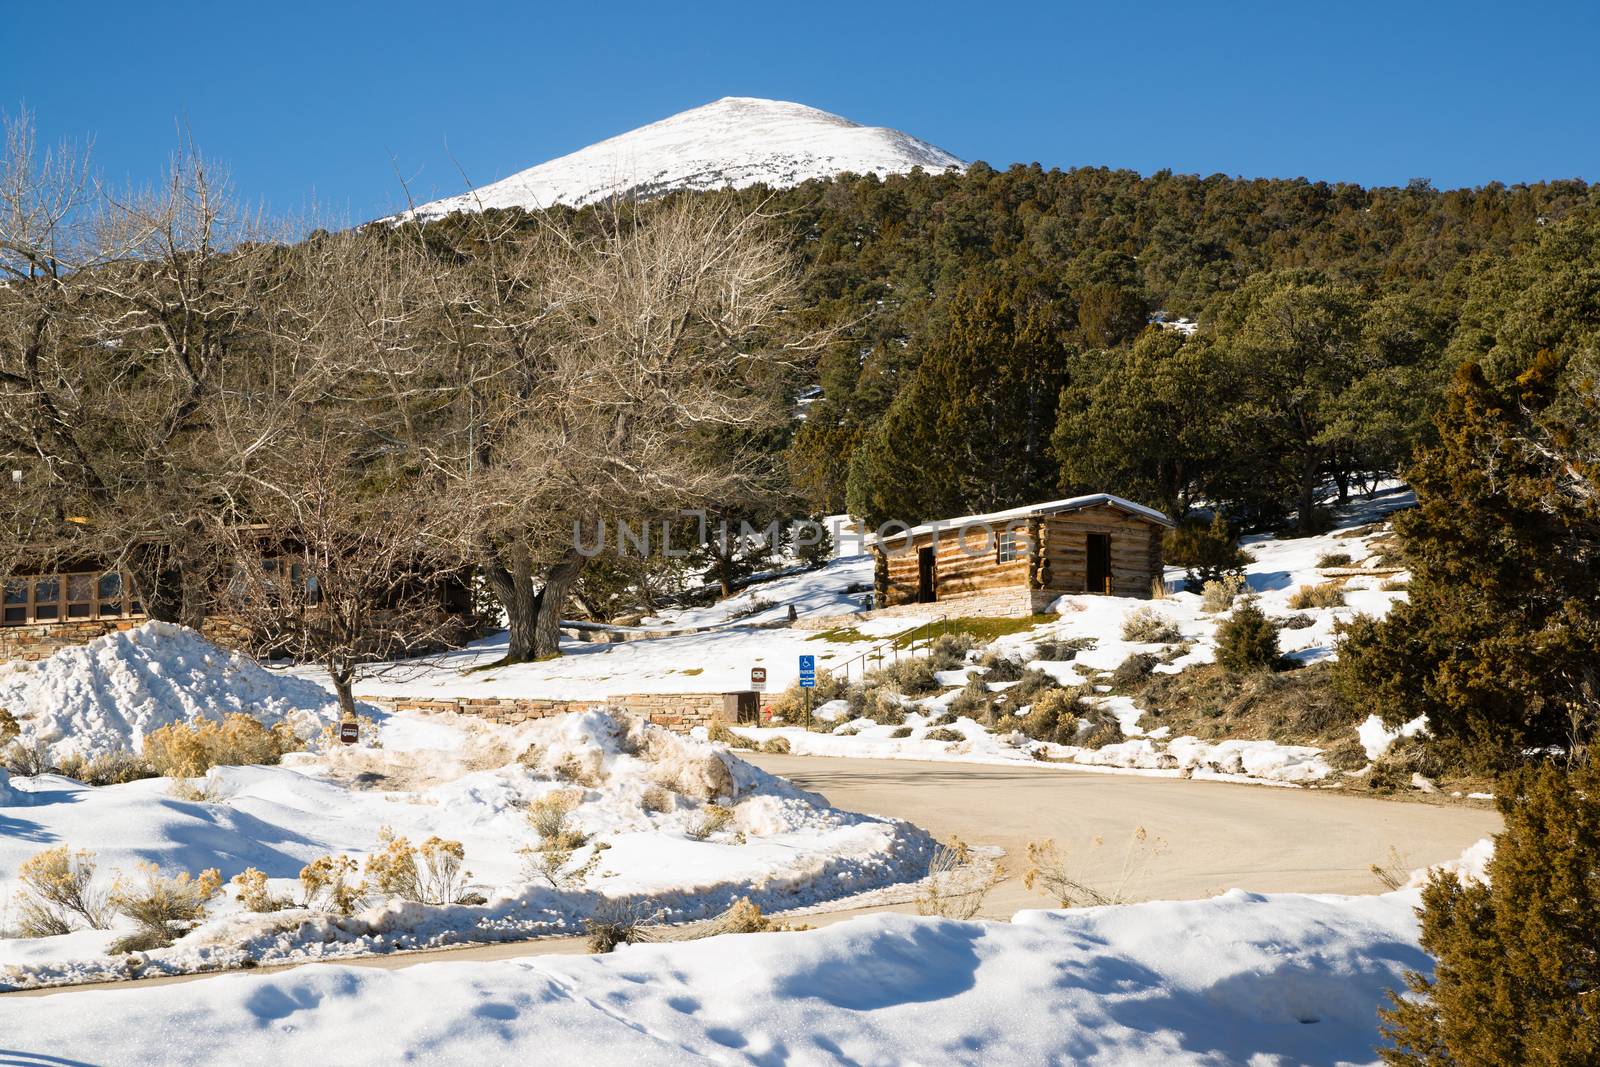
[1499,640]
[1247,640]
[1517,960]
[970,432]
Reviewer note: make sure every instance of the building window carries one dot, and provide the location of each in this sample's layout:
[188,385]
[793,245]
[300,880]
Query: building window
[1006,550]
[47,598]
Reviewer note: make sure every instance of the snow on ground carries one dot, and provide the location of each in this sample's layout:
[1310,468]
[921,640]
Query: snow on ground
[463,780]
[107,695]
[1183,757]
[1376,737]
[718,660]
[1279,567]
[1240,978]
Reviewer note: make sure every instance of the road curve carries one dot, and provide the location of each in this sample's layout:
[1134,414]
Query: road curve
[1213,836]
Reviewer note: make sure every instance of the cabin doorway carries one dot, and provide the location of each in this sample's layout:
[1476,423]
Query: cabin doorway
[1099,553]
[927,576]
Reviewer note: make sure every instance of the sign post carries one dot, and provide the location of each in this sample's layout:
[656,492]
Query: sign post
[808,682]
[758,679]
[349,731]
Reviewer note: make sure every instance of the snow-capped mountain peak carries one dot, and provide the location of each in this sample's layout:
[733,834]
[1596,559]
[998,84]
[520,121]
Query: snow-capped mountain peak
[732,142]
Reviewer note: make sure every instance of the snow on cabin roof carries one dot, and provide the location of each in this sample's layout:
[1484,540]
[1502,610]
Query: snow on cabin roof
[1054,507]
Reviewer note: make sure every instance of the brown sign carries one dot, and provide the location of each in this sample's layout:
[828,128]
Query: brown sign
[350,732]
[758,678]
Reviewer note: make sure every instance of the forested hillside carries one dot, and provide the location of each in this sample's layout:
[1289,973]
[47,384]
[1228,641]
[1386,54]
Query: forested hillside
[995,347]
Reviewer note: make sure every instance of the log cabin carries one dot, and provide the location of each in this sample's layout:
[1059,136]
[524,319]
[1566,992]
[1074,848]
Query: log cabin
[1018,561]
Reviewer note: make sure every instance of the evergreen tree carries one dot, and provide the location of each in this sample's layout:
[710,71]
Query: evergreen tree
[1499,640]
[1285,348]
[1247,640]
[970,432]
[1517,972]
[1137,423]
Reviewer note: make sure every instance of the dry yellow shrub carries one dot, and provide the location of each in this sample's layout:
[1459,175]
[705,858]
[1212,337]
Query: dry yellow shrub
[57,884]
[163,908]
[325,885]
[189,750]
[254,893]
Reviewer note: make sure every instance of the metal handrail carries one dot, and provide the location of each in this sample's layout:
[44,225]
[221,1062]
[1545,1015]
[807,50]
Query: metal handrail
[910,638]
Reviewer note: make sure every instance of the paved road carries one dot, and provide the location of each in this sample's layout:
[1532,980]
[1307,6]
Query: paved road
[1215,835]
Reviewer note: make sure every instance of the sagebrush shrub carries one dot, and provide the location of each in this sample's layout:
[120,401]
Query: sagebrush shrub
[789,705]
[1149,626]
[1052,717]
[326,885]
[949,651]
[58,884]
[620,922]
[658,798]
[162,908]
[1334,559]
[911,677]
[1062,648]
[1247,641]
[254,893]
[900,731]
[944,733]
[189,750]
[956,884]
[880,704]
[1136,668]
[713,819]
[1000,667]
[719,732]
[1025,690]
[9,727]
[1322,595]
[394,871]
[108,768]
[1218,594]
[777,746]
[974,701]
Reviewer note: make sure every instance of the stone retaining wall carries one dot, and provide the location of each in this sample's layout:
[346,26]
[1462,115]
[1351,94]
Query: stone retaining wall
[675,711]
[43,640]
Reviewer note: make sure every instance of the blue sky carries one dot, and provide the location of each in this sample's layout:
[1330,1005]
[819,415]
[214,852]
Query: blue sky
[328,101]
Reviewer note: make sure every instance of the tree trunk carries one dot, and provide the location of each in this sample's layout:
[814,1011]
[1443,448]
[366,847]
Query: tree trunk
[511,581]
[1306,520]
[344,678]
[552,599]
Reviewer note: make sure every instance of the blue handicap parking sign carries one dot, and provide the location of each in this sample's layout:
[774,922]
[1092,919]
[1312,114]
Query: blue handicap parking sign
[808,672]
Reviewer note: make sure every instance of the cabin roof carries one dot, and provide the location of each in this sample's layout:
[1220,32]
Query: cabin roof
[1053,507]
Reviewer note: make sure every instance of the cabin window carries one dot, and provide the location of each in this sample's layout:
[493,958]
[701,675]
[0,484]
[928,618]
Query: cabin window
[1006,549]
[51,598]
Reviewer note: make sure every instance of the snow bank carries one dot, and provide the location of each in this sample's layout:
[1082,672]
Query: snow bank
[1235,979]
[639,794]
[1376,738]
[1234,760]
[107,695]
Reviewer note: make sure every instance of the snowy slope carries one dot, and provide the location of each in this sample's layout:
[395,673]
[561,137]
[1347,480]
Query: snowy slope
[108,695]
[1242,978]
[736,141]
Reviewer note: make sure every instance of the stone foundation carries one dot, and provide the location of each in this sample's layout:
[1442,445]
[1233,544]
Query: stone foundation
[1002,603]
[42,640]
[675,711]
